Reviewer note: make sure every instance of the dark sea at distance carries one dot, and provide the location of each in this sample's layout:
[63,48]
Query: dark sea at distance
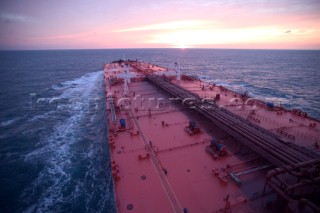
[54,154]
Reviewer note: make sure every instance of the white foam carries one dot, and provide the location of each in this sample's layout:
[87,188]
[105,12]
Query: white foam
[9,122]
[54,150]
[76,82]
[40,116]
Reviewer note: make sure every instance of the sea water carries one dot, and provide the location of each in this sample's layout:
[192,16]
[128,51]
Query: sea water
[54,155]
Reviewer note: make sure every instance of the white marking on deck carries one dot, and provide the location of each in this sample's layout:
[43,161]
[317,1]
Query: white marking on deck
[170,193]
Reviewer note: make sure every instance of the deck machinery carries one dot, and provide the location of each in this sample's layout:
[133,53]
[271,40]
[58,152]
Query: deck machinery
[295,169]
[288,157]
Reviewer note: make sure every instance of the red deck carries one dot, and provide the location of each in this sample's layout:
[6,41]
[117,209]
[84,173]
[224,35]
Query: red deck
[159,167]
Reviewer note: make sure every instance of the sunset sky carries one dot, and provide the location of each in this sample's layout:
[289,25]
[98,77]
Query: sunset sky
[90,24]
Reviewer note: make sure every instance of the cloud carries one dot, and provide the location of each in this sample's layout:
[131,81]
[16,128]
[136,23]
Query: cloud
[173,25]
[7,17]
[66,36]
[287,32]
[190,37]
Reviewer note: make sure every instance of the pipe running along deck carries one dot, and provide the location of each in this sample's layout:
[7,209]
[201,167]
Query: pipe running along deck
[263,142]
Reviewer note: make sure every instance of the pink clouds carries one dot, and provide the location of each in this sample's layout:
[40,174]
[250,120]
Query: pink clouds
[146,23]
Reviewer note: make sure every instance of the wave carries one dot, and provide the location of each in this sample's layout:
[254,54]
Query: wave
[76,82]
[55,187]
[9,122]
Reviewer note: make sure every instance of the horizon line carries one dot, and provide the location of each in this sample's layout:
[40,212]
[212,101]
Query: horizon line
[127,48]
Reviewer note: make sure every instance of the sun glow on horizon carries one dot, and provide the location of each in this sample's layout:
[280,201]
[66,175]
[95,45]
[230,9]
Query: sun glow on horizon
[206,33]
[195,37]
[182,46]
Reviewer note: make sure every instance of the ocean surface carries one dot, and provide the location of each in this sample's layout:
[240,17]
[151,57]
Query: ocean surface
[54,155]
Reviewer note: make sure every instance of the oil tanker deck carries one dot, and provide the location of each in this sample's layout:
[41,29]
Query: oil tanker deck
[178,144]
